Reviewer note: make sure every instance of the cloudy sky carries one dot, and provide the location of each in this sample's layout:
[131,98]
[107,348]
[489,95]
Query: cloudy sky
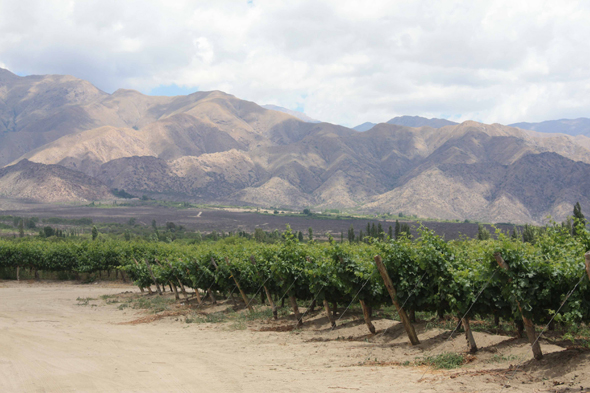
[340,61]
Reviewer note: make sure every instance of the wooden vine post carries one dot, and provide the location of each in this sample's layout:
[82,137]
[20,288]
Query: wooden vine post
[393,294]
[273,306]
[469,335]
[528,324]
[587,258]
[18,273]
[244,297]
[367,316]
[153,276]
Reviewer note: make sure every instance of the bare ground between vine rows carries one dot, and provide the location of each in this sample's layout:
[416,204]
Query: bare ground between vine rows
[66,337]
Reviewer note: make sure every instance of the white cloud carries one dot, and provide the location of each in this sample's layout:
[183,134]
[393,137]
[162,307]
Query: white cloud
[342,60]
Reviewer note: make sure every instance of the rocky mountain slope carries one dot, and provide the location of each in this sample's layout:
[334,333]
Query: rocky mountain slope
[49,183]
[213,147]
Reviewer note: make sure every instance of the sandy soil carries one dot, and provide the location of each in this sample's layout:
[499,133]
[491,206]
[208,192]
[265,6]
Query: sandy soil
[51,343]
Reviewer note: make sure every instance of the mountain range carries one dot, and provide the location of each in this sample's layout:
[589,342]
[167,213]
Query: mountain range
[62,139]
[572,127]
[409,121]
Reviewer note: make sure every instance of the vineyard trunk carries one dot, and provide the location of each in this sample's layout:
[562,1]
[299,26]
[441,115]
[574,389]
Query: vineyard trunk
[329,314]
[212,296]
[153,277]
[519,328]
[275,313]
[244,297]
[198,295]
[293,301]
[183,290]
[528,324]
[233,299]
[393,294]
[272,304]
[176,295]
[312,307]
[367,316]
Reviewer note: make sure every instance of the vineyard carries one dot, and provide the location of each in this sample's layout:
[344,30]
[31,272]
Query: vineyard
[529,284]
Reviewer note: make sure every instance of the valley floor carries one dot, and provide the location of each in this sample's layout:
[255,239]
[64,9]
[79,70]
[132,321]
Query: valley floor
[65,337]
[207,220]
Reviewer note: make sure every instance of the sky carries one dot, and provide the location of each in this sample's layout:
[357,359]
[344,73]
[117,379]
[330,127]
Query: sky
[340,61]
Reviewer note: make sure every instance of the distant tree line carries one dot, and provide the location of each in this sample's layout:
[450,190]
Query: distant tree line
[530,233]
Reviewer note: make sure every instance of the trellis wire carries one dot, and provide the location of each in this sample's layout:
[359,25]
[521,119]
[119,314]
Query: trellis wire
[467,312]
[546,327]
[258,291]
[353,299]
[408,298]
[308,308]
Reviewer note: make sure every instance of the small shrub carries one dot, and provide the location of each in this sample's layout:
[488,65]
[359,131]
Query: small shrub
[447,360]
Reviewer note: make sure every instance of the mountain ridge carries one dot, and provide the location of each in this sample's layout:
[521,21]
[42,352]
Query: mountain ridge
[213,147]
[409,121]
[573,127]
[49,183]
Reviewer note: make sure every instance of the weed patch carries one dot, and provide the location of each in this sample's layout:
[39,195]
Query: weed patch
[83,301]
[447,360]
[502,358]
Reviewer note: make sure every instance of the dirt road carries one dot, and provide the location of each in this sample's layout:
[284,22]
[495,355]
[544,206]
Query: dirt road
[50,343]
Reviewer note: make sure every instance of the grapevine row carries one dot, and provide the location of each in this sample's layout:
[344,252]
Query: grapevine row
[428,273]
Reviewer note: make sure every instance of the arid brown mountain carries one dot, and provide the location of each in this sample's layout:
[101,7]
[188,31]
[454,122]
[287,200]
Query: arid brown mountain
[37,110]
[213,147]
[49,183]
